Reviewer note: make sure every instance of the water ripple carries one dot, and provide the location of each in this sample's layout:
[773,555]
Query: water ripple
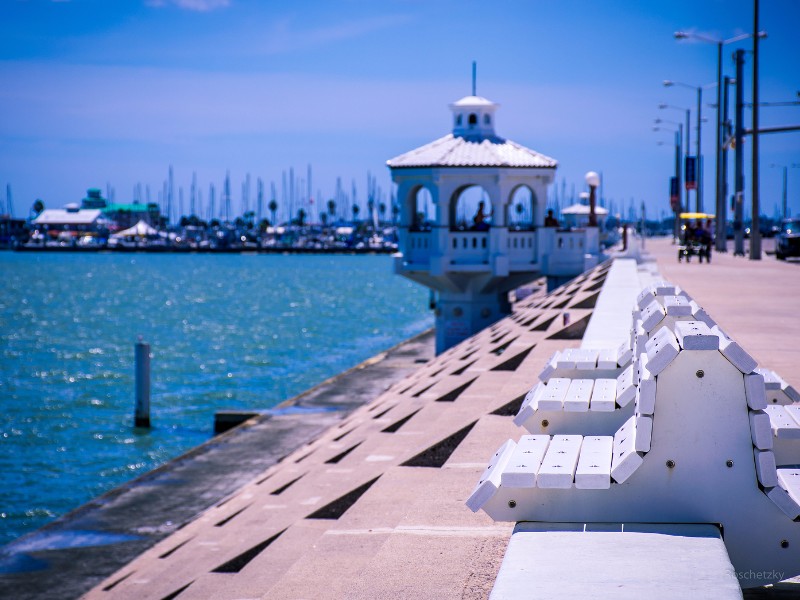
[225,333]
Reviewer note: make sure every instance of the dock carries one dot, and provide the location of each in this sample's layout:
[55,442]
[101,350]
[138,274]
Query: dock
[373,505]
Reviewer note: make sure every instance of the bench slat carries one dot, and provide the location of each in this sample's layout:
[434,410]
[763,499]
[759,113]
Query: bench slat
[662,348]
[765,467]
[523,466]
[594,463]
[734,352]
[558,465]
[607,358]
[626,391]
[554,393]
[624,354]
[784,501]
[578,395]
[625,459]
[644,433]
[789,479]
[760,429]
[677,306]
[695,335]
[490,480]
[783,424]
[755,391]
[604,395]
[585,359]
[793,410]
[652,315]
[530,405]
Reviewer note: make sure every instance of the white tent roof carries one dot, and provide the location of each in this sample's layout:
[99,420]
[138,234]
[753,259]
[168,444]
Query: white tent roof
[583,209]
[140,229]
[60,216]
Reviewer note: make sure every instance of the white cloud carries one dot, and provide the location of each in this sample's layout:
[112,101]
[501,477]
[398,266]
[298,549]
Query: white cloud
[197,5]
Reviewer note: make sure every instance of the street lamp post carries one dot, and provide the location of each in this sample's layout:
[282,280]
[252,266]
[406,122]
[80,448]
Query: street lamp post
[676,209]
[698,160]
[783,197]
[592,180]
[738,178]
[685,143]
[721,200]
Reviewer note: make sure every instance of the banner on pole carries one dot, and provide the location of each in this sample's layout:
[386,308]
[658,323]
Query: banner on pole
[691,173]
[674,194]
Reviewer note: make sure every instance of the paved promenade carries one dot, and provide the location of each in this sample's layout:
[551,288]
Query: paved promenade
[374,505]
[755,302]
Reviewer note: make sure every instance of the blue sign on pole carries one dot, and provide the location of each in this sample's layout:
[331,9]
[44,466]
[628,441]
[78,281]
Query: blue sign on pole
[674,194]
[691,173]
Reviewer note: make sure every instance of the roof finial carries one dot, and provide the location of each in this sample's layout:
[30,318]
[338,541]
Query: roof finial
[474,77]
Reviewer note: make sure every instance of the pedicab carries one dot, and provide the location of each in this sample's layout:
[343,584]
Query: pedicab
[695,236]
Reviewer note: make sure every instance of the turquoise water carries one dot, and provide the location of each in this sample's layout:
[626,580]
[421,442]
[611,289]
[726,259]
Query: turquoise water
[227,331]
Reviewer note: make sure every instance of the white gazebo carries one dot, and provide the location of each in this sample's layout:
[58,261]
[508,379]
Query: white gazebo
[577,215]
[473,262]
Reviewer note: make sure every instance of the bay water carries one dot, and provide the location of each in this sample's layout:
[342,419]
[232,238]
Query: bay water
[226,332]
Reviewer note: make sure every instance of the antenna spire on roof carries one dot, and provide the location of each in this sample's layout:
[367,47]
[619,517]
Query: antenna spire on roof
[474,77]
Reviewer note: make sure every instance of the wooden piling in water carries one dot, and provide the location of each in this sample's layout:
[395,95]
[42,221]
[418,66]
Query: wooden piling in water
[142,409]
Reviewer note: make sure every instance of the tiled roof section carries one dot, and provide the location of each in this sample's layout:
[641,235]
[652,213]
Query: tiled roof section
[457,151]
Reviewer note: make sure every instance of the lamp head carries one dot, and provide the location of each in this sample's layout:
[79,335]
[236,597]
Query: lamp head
[592,179]
[662,106]
[668,83]
[681,35]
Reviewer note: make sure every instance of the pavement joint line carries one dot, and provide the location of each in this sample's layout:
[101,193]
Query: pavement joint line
[430,531]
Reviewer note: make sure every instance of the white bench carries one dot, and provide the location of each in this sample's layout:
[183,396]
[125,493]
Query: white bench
[699,442]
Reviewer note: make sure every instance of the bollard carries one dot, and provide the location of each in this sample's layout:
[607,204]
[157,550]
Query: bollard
[142,359]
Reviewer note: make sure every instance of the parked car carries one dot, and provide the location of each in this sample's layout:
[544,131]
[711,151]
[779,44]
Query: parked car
[787,242]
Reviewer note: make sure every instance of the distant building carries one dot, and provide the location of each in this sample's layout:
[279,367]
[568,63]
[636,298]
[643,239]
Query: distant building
[122,215]
[94,199]
[127,215]
[12,230]
[69,222]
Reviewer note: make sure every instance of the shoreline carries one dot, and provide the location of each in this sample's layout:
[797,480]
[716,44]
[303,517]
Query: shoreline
[70,555]
[164,250]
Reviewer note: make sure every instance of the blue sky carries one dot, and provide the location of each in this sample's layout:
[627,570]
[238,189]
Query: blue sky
[95,92]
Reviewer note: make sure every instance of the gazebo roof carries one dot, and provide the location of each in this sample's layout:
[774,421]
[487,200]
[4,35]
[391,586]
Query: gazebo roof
[457,151]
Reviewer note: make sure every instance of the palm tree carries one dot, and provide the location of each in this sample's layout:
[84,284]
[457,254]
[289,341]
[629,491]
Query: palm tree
[273,207]
[356,210]
[332,208]
[382,209]
[301,217]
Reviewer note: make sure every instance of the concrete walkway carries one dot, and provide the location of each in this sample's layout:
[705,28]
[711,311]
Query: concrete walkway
[375,507]
[757,303]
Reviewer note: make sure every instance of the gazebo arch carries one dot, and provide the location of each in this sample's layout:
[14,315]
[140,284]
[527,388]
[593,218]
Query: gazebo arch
[522,208]
[464,204]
